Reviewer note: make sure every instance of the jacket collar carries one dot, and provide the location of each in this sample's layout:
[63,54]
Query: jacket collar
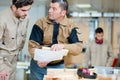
[63,22]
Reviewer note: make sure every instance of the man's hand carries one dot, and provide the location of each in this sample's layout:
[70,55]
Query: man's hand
[3,74]
[57,47]
[42,64]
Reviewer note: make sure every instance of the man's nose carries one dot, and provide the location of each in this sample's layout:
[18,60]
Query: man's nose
[26,13]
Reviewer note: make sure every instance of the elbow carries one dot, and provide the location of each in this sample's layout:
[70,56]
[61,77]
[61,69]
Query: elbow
[76,52]
[31,51]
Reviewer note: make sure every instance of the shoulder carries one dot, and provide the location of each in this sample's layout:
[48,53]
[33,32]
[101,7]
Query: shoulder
[41,21]
[105,42]
[3,15]
[71,22]
[91,42]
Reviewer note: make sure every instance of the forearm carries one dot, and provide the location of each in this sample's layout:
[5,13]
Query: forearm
[110,56]
[110,61]
[75,48]
[23,42]
[2,29]
[31,47]
[1,64]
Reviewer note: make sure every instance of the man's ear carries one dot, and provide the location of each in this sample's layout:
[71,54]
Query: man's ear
[64,12]
[13,7]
